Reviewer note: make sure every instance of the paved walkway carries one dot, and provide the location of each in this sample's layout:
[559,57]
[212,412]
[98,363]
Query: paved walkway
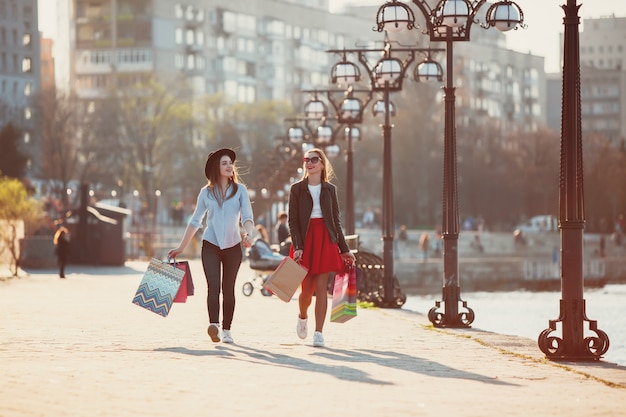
[78,347]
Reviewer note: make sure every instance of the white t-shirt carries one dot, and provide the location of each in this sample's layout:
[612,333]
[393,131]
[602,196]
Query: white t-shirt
[315,191]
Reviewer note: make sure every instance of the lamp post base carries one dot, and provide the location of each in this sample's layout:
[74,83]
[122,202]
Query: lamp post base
[451,317]
[573,345]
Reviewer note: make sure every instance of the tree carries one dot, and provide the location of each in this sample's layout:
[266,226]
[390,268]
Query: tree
[58,124]
[12,160]
[17,211]
[605,174]
[150,122]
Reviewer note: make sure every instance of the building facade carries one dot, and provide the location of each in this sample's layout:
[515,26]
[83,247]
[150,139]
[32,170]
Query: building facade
[602,80]
[603,77]
[20,71]
[246,50]
[271,49]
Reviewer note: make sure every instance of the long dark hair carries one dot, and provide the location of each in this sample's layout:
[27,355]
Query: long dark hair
[214,176]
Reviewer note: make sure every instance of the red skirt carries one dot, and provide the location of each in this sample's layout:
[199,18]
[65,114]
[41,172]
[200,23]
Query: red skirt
[320,254]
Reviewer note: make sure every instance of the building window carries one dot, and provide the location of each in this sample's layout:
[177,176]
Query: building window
[28,89]
[179,62]
[229,22]
[191,62]
[26,39]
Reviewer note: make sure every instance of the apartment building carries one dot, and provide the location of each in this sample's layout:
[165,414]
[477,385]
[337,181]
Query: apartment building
[497,86]
[266,49]
[602,80]
[19,70]
[270,49]
[603,77]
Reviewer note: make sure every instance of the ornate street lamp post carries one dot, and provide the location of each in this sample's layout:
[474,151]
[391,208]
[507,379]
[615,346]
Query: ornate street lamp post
[573,344]
[386,76]
[449,21]
[302,134]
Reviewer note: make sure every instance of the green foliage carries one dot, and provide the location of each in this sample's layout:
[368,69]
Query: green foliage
[16,209]
[12,160]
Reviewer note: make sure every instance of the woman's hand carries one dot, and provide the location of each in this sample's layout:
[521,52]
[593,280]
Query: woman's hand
[173,253]
[349,257]
[247,240]
[297,254]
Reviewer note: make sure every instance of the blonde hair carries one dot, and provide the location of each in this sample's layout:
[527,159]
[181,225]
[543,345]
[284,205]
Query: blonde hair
[327,172]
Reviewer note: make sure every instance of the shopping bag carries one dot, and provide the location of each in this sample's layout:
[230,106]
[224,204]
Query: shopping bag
[344,296]
[285,279]
[158,287]
[186,286]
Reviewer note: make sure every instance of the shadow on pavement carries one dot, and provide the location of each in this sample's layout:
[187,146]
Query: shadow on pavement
[185,351]
[407,363]
[264,357]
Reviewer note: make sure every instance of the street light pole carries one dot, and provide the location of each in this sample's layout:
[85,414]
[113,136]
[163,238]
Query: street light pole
[573,345]
[388,229]
[449,21]
[451,292]
[385,76]
[350,230]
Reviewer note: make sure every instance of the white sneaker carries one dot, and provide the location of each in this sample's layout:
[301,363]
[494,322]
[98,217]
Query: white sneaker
[214,332]
[302,328]
[227,337]
[318,339]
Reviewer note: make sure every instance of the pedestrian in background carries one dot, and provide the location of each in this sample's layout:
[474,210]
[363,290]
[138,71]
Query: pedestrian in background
[318,242]
[282,229]
[424,245]
[61,241]
[226,203]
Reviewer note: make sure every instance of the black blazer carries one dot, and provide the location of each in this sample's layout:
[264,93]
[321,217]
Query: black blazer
[301,206]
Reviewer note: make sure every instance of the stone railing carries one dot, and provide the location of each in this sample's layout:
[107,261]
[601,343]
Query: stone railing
[501,265]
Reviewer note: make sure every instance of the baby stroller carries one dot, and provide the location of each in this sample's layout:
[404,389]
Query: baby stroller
[263,260]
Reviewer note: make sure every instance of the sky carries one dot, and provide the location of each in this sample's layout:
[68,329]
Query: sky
[544,19]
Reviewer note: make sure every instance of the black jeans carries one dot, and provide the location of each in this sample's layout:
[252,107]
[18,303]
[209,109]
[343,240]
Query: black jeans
[214,261]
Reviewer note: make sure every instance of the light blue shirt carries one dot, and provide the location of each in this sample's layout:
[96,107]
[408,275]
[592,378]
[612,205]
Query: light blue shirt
[223,218]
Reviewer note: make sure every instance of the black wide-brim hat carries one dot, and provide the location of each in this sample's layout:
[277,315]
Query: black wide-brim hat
[215,156]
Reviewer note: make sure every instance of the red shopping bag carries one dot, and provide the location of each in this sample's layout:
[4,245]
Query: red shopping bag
[186,286]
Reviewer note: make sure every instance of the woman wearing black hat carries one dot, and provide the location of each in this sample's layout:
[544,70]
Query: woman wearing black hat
[226,203]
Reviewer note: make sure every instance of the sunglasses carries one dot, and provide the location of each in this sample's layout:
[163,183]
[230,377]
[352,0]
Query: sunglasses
[313,160]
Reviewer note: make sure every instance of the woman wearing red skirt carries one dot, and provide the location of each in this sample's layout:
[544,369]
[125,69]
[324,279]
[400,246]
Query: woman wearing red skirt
[318,242]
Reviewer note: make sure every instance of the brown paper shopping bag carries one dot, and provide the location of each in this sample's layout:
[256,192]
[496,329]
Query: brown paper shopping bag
[285,279]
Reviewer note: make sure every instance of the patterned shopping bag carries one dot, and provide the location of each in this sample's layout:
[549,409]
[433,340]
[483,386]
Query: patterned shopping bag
[159,287]
[344,296]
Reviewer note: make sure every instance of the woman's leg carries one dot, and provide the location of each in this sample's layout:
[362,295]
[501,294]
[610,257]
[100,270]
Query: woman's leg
[211,265]
[231,259]
[321,300]
[306,295]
